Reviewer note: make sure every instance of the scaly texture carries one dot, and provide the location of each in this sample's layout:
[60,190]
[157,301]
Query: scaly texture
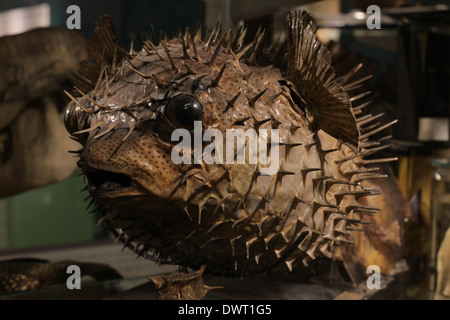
[228,217]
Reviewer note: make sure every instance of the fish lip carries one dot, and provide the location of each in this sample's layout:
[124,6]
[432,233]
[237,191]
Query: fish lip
[106,183]
[135,197]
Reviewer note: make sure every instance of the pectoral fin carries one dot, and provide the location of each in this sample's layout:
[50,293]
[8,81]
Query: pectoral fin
[310,69]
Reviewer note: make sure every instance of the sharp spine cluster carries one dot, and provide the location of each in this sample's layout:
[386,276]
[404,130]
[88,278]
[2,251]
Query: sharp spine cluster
[286,235]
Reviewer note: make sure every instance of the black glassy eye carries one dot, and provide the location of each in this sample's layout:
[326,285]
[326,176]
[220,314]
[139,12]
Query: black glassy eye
[75,119]
[183,110]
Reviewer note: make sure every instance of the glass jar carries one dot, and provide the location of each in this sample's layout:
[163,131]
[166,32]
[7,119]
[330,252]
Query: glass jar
[439,218]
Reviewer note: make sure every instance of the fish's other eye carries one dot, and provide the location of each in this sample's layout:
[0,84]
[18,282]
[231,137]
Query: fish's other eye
[182,110]
[75,119]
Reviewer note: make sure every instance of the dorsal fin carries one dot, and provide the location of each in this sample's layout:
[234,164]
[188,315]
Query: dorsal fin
[310,69]
[102,51]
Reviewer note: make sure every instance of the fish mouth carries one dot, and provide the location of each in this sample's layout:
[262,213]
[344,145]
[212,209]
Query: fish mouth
[101,181]
[113,188]
[104,183]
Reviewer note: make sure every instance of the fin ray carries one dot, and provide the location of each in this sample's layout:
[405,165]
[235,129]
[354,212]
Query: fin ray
[310,69]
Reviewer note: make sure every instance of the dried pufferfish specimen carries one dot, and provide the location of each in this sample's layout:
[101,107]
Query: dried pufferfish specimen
[230,218]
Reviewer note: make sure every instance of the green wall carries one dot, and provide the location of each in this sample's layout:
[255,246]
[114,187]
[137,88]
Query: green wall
[51,215]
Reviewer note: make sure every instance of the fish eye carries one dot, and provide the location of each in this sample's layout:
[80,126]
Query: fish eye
[75,119]
[182,110]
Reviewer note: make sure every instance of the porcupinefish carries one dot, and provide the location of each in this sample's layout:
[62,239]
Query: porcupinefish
[233,218]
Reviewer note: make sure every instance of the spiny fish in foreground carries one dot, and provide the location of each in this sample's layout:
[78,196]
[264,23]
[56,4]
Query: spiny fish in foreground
[230,218]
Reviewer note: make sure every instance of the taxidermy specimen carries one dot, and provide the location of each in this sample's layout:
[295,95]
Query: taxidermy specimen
[230,218]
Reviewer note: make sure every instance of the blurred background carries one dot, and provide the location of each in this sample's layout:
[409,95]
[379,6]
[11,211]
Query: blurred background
[408,58]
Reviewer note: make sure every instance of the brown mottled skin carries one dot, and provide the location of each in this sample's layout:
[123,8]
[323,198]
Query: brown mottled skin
[229,218]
